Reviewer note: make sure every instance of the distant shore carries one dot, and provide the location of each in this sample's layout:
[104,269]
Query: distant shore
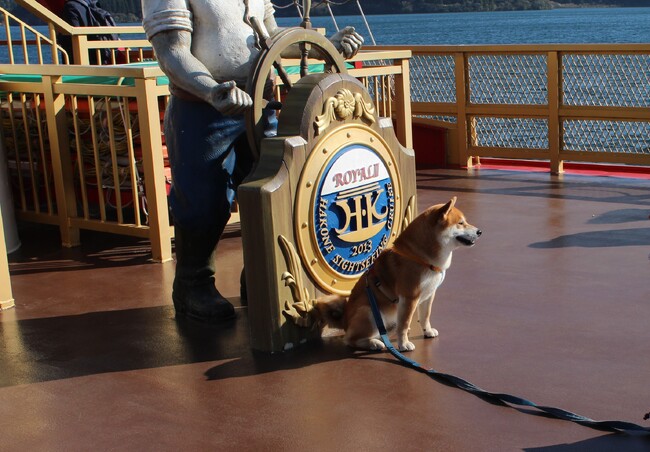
[583,5]
[383,7]
[376,7]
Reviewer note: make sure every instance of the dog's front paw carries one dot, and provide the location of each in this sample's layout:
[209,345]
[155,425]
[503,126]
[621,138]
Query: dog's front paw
[406,346]
[431,332]
[376,344]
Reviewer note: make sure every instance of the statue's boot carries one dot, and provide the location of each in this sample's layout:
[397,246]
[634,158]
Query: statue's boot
[194,293]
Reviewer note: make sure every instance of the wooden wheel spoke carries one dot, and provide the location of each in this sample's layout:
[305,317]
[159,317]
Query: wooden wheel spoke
[269,59]
[304,58]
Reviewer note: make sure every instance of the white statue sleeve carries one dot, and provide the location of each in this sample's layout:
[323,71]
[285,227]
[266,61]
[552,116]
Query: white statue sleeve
[162,15]
[269,11]
[269,18]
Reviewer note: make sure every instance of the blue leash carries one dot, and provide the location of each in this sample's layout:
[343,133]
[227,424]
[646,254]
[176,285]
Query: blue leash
[614,426]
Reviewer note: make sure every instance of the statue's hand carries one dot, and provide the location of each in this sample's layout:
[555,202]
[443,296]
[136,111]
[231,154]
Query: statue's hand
[347,41]
[230,100]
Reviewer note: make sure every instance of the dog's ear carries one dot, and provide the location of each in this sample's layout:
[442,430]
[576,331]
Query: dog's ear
[447,207]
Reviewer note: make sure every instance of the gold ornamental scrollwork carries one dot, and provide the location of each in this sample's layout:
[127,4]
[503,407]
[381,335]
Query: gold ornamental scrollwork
[409,213]
[342,106]
[298,311]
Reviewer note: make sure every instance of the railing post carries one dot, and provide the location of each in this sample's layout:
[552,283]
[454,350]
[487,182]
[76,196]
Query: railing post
[80,49]
[160,233]
[6,297]
[55,42]
[62,168]
[462,91]
[554,136]
[403,107]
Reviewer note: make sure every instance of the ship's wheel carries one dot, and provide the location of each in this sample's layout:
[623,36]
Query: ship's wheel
[269,59]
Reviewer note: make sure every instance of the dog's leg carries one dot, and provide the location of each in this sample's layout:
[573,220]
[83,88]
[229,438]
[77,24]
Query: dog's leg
[362,332]
[353,339]
[405,311]
[368,343]
[424,313]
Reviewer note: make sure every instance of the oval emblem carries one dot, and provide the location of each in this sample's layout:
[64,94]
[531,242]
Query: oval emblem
[346,207]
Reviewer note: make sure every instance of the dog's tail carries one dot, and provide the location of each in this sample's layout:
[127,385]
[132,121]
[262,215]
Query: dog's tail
[329,310]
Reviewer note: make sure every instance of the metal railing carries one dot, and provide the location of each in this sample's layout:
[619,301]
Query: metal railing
[24,44]
[21,43]
[85,148]
[123,51]
[586,103]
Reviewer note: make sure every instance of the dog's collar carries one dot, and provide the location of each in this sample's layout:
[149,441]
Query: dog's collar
[416,259]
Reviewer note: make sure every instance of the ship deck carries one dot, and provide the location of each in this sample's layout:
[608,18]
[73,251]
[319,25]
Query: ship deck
[552,304]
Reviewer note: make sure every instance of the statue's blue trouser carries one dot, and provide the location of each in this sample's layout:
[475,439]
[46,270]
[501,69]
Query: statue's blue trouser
[209,157]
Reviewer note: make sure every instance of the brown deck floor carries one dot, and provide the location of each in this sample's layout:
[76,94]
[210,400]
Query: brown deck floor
[552,304]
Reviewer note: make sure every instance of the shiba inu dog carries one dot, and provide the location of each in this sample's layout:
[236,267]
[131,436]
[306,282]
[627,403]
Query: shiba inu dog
[403,278]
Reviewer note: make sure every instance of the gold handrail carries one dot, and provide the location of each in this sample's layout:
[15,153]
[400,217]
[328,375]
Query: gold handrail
[38,42]
[128,49]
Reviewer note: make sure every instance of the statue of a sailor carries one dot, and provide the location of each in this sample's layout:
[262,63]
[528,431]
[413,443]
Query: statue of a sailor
[206,48]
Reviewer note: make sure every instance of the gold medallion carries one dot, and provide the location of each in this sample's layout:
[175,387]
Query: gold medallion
[347,206]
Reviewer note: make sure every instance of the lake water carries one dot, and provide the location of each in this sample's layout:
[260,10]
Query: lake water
[570,26]
[580,25]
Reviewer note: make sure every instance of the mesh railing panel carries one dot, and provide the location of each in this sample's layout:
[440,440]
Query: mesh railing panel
[630,137]
[525,133]
[508,79]
[433,78]
[450,119]
[606,80]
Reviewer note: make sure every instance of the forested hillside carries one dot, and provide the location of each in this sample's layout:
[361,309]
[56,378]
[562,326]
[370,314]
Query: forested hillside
[126,11]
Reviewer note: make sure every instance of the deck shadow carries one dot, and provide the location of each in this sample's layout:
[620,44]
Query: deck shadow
[621,216]
[256,362]
[54,348]
[598,239]
[540,185]
[41,251]
[605,443]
